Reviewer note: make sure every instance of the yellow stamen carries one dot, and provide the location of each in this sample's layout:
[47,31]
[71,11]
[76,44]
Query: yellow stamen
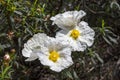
[54,55]
[75,34]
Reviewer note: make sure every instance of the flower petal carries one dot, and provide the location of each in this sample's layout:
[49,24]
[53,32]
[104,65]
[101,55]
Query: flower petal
[87,34]
[56,68]
[68,20]
[33,46]
[78,15]
[44,59]
[32,57]
[26,52]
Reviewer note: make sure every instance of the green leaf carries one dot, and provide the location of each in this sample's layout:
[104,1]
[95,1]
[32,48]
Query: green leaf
[68,73]
[18,12]
[107,40]
[2,34]
[114,40]
[103,24]
[99,58]
[75,75]
[4,72]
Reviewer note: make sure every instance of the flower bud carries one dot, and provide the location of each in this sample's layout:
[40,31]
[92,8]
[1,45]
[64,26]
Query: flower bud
[10,35]
[12,50]
[6,57]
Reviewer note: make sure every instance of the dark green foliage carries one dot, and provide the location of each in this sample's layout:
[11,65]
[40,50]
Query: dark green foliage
[21,19]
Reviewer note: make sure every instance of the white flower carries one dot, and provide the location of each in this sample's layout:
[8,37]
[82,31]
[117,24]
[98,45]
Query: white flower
[33,46]
[68,20]
[55,55]
[79,37]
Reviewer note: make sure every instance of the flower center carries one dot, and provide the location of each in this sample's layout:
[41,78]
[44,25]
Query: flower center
[54,55]
[75,34]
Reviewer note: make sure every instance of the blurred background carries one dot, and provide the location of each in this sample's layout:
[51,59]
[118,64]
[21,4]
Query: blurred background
[21,19]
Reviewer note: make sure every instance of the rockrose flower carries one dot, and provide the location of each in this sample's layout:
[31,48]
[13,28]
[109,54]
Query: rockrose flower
[79,38]
[55,55]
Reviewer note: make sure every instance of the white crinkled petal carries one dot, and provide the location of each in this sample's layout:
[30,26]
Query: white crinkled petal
[63,46]
[89,41]
[26,52]
[81,46]
[77,45]
[28,47]
[87,34]
[68,20]
[40,38]
[65,51]
[64,23]
[64,62]
[63,38]
[33,46]
[56,68]
[85,29]
[65,59]
[32,43]
[50,43]
[44,59]
[78,15]
[32,57]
